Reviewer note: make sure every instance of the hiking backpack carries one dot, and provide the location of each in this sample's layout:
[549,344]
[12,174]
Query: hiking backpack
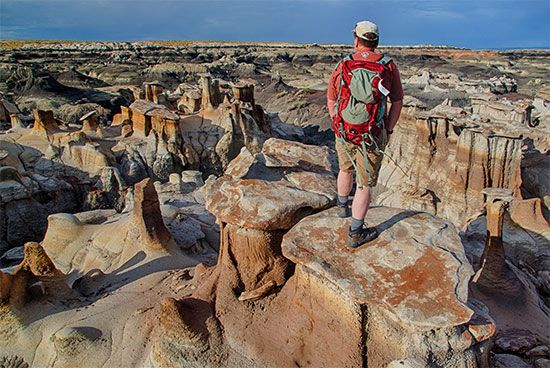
[361,103]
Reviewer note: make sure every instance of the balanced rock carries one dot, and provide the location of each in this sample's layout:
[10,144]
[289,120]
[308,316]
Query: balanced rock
[258,204]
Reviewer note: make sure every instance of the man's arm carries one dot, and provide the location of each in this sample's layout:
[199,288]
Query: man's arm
[330,105]
[332,93]
[393,116]
[396,97]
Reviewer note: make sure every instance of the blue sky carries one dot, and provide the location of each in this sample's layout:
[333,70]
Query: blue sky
[465,23]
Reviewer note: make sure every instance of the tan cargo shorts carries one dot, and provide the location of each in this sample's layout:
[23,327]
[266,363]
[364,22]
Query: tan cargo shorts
[367,172]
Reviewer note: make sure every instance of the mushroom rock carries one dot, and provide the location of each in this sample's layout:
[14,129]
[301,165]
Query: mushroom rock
[424,285]
[254,214]
[165,123]
[90,122]
[243,92]
[153,92]
[413,294]
[16,121]
[148,116]
[189,102]
[498,283]
[44,122]
[141,122]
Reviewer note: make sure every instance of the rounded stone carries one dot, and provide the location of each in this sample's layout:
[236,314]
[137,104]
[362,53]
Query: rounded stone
[174,178]
[192,176]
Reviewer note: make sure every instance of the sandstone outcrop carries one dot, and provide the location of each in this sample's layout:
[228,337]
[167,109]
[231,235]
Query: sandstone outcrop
[29,192]
[447,165]
[26,280]
[206,135]
[280,297]
[78,246]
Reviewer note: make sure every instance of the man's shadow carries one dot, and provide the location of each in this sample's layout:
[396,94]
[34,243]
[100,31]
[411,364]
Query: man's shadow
[395,219]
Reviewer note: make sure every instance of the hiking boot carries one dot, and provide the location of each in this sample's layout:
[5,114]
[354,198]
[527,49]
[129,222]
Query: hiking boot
[344,210]
[363,235]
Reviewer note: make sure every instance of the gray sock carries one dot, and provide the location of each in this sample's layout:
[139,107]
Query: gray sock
[356,225]
[342,200]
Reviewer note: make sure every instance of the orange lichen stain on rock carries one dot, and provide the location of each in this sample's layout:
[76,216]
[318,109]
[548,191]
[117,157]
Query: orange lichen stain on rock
[427,279]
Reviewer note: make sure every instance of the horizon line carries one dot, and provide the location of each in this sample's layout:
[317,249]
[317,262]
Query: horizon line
[332,44]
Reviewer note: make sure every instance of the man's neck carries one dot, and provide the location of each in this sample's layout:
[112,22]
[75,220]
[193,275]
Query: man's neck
[363,49]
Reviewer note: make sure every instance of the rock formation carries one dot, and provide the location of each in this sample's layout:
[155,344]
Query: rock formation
[504,288]
[80,246]
[298,296]
[44,122]
[239,134]
[442,164]
[29,192]
[90,123]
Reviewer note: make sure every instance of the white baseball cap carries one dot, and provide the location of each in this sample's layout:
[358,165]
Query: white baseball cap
[363,28]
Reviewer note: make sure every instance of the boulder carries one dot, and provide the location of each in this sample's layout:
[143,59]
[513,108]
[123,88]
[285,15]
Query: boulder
[424,284]
[288,154]
[192,176]
[509,361]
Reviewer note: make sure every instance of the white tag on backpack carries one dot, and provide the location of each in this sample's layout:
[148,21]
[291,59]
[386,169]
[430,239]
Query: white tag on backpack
[383,89]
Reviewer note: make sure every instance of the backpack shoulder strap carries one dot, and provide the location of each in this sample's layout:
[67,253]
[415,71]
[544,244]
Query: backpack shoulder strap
[347,58]
[385,60]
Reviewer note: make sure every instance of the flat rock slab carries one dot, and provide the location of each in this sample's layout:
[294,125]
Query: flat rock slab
[263,205]
[283,153]
[416,268]
[144,106]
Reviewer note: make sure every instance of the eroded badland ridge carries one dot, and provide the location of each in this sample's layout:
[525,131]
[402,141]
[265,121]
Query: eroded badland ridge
[170,204]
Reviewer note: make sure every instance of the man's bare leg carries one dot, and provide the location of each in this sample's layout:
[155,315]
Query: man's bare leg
[360,204]
[344,183]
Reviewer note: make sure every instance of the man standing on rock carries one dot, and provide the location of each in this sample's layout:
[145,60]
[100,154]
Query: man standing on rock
[356,99]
